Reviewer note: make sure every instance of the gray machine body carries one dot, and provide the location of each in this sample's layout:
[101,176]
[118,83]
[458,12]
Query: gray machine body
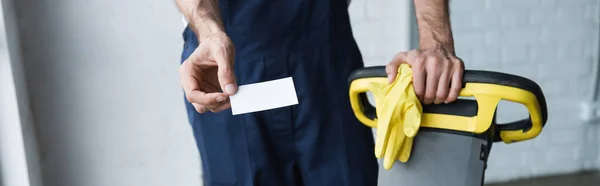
[440,158]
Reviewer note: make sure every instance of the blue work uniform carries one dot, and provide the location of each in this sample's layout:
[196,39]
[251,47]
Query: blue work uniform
[317,142]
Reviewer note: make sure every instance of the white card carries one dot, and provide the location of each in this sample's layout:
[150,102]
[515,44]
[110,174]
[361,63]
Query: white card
[264,96]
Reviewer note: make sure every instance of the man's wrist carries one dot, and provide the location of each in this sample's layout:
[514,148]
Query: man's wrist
[205,27]
[445,44]
[433,21]
[436,34]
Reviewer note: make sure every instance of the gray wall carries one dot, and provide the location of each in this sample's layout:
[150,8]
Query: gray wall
[103,83]
[19,164]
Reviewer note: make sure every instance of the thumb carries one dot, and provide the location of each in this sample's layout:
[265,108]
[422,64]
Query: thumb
[392,68]
[226,74]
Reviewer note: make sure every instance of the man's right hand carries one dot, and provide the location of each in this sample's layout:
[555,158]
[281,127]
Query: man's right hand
[207,76]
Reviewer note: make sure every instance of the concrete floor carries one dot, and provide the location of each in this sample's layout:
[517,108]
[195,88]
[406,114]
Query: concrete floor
[581,179]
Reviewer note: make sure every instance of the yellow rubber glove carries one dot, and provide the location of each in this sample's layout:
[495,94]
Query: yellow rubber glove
[398,118]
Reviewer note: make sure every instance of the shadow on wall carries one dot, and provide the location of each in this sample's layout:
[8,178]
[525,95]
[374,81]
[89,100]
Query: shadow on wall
[103,84]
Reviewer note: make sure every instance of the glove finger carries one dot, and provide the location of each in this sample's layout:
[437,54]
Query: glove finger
[398,130]
[398,144]
[383,132]
[380,140]
[412,120]
[406,150]
[389,158]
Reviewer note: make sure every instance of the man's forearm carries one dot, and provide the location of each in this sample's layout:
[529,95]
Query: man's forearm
[434,24]
[203,16]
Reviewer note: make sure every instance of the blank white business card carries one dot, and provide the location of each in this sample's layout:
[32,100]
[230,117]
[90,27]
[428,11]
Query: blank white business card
[264,96]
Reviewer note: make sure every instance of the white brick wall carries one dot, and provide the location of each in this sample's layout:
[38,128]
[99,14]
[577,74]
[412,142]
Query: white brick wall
[553,42]
[381,28]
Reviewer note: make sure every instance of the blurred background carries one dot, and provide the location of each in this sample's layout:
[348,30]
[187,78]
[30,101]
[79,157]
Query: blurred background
[89,91]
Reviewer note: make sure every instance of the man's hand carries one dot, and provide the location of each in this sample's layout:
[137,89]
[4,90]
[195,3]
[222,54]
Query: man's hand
[207,72]
[207,76]
[437,74]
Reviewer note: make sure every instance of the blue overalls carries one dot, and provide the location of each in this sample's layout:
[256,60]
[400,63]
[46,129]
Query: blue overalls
[318,142]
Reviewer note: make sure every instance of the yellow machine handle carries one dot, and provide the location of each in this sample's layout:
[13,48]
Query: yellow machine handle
[487,87]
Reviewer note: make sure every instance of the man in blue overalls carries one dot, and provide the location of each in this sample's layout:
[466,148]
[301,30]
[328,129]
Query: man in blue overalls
[318,142]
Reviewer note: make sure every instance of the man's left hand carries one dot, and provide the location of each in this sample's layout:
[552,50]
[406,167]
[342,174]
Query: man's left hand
[437,74]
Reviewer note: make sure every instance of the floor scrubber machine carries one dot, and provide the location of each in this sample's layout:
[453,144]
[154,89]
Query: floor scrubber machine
[454,140]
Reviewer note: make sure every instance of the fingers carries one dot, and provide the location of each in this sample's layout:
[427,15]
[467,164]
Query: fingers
[224,58]
[392,68]
[212,108]
[443,86]
[437,76]
[227,79]
[392,71]
[200,83]
[417,63]
[419,75]
[456,82]
[433,75]
[207,99]
[199,108]
[220,49]
[189,83]
[222,107]
[191,86]
[201,100]
[214,102]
